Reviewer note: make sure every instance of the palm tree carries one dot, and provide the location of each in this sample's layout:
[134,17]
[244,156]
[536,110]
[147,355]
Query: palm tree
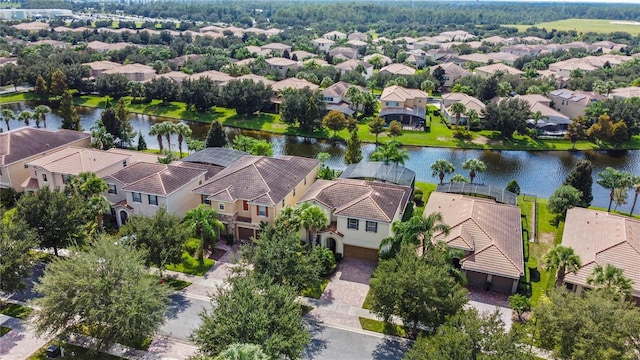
[168,129]
[88,184]
[376,127]
[564,259]
[418,231]
[7,115]
[355,97]
[458,108]
[183,130]
[613,179]
[137,90]
[99,205]
[40,113]
[442,168]
[203,220]
[390,152]
[472,115]
[158,131]
[474,166]
[504,89]
[611,278]
[427,86]
[635,185]
[25,116]
[313,219]
[459,179]
[603,87]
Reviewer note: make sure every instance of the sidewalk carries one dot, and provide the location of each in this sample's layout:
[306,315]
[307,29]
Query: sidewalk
[20,342]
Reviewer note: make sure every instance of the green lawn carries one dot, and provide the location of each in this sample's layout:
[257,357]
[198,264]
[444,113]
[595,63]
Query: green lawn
[382,327]
[191,265]
[427,189]
[16,311]
[316,292]
[4,330]
[79,353]
[586,25]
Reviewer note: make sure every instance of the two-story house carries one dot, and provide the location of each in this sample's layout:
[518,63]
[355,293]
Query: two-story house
[141,188]
[360,214]
[364,67]
[277,48]
[469,102]
[334,97]
[405,105]
[254,189]
[452,72]
[21,146]
[281,65]
[573,103]
[323,44]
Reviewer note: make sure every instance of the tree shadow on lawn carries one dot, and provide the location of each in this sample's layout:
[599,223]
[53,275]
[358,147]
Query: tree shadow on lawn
[255,122]
[391,348]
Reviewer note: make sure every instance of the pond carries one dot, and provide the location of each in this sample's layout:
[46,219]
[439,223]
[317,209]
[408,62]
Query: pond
[538,172]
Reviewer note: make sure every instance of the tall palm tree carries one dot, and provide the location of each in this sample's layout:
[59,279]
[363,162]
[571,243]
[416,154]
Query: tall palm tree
[472,115]
[183,130]
[635,185]
[137,90]
[313,219]
[88,184]
[168,129]
[504,89]
[427,86]
[390,152]
[355,97]
[441,168]
[459,179]
[7,115]
[564,259]
[25,116]
[474,166]
[418,231]
[203,220]
[613,179]
[458,108]
[157,131]
[40,114]
[611,278]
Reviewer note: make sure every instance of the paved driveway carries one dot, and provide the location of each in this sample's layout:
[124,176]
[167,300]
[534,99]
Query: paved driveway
[349,285]
[489,301]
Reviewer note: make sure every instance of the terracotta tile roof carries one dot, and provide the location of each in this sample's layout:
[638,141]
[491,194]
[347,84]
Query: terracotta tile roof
[20,144]
[102,65]
[135,172]
[211,170]
[401,94]
[258,179]
[360,198]
[35,25]
[293,83]
[135,156]
[131,69]
[279,61]
[492,231]
[74,160]
[159,179]
[352,64]
[398,69]
[340,89]
[276,46]
[256,79]
[505,69]
[601,238]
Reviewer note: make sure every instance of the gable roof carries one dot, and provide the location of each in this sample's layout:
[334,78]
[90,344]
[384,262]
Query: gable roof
[505,69]
[492,232]
[340,88]
[360,199]
[156,179]
[468,101]
[258,179]
[20,144]
[601,238]
[401,94]
[352,64]
[398,69]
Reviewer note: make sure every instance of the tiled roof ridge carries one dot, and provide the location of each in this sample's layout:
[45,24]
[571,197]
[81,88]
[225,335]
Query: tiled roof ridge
[493,244]
[157,173]
[81,150]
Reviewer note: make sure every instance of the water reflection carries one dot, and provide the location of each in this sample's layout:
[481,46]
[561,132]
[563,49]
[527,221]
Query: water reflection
[537,172]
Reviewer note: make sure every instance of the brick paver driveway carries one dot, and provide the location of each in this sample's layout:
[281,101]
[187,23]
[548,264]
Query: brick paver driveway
[350,283]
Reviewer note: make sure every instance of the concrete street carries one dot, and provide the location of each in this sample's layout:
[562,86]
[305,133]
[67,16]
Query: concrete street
[183,317]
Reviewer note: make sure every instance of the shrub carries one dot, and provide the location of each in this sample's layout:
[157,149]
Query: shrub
[326,259]
[191,246]
[230,239]
[418,191]
[337,257]
[513,186]
[461,133]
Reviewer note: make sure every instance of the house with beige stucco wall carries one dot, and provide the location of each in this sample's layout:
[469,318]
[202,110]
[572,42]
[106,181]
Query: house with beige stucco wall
[360,214]
[143,188]
[21,146]
[254,189]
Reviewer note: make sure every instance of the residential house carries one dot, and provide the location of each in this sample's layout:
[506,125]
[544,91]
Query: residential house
[32,27]
[142,188]
[488,71]
[587,63]
[600,238]
[353,65]
[381,172]
[520,50]
[385,59]
[55,169]
[96,68]
[469,102]
[175,76]
[398,69]
[488,233]
[282,65]
[18,147]
[475,58]
[625,92]
[496,40]
[323,44]
[358,36]
[550,122]
[301,55]
[503,57]
[277,48]
[334,97]
[335,35]
[357,44]
[288,83]
[343,52]
[458,35]
[181,60]
[405,105]
[100,46]
[438,54]
[218,77]
[133,72]
[417,58]
[573,103]
[254,189]
[256,79]
[452,72]
[52,43]
[360,214]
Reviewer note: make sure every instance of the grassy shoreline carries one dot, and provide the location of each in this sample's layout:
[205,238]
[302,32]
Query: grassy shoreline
[439,136]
